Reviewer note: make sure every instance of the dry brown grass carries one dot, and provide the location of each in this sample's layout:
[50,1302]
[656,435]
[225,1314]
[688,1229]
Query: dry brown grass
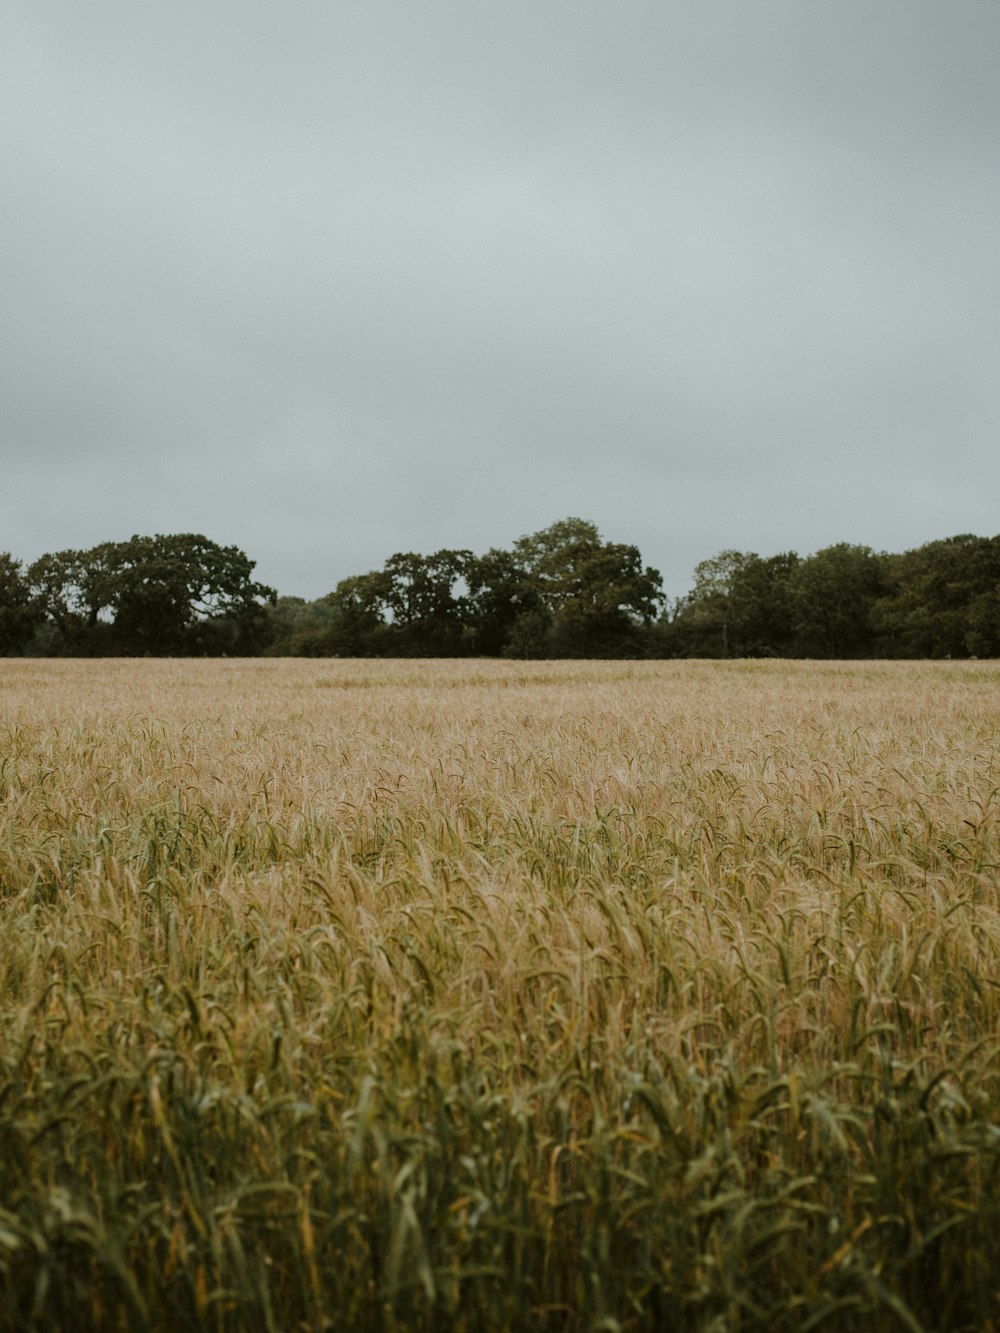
[461,993]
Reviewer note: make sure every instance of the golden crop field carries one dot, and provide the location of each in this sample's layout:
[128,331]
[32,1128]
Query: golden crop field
[481,995]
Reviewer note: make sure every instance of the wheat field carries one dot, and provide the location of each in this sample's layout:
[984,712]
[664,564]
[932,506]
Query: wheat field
[480,995]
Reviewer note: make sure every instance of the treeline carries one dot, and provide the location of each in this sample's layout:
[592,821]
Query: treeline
[160,596]
[561,592]
[939,600]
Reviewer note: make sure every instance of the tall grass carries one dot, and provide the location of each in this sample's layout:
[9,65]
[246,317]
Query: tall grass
[480,996]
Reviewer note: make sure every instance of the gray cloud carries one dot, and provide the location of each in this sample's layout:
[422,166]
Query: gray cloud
[331,281]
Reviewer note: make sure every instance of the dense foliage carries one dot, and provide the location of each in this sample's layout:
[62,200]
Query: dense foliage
[562,592]
[939,600]
[179,595]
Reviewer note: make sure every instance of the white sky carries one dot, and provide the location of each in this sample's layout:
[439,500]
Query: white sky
[331,280]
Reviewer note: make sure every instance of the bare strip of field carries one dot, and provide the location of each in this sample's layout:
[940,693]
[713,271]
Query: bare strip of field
[472,991]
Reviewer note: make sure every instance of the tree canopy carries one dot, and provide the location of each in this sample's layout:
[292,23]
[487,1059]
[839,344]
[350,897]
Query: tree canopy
[944,600]
[938,600]
[20,614]
[560,592]
[162,596]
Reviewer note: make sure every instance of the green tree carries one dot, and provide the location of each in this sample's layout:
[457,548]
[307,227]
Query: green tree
[832,596]
[707,615]
[298,628]
[982,635]
[159,595]
[184,594]
[73,593]
[500,597]
[358,626]
[762,621]
[612,599]
[942,600]
[530,635]
[588,598]
[542,555]
[20,614]
[429,609]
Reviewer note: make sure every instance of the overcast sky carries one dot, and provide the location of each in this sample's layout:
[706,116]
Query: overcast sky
[332,280]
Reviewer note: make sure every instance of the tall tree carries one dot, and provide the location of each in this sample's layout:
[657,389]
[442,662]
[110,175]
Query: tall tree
[833,594]
[185,594]
[73,593]
[159,595]
[428,604]
[20,615]
[500,596]
[590,598]
[542,554]
[761,606]
[943,600]
[709,609]
[299,628]
[982,635]
[358,626]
